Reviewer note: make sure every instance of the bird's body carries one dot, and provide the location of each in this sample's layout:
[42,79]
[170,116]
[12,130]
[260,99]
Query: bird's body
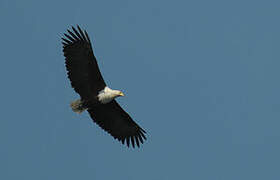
[96,97]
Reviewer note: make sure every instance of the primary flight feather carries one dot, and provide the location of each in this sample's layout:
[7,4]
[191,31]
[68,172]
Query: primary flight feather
[96,97]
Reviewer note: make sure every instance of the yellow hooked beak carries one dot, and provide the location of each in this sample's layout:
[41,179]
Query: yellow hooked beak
[121,94]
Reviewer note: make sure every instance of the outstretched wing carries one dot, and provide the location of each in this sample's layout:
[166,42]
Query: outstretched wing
[81,64]
[113,119]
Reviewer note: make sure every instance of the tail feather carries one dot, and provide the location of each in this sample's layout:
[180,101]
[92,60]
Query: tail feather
[77,106]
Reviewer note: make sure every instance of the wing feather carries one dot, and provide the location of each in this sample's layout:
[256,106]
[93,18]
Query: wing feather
[82,34]
[113,119]
[81,64]
[66,42]
[76,32]
[87,37]
[69,37]
[73,35]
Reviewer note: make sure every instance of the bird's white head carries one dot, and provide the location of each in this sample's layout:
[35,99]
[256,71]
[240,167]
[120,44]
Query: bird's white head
[107,95]
[113,93]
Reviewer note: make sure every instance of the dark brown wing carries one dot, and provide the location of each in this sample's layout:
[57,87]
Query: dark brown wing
[81,64]
[113,119]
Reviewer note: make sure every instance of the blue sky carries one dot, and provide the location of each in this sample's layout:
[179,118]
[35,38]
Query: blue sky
[201,77]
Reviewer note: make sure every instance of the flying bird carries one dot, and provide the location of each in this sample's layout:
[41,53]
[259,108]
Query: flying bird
[95,96]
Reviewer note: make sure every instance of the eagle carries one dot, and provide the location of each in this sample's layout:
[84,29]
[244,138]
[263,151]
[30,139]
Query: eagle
[95,96]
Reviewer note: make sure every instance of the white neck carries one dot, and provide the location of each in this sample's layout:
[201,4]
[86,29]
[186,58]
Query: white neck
[107,95]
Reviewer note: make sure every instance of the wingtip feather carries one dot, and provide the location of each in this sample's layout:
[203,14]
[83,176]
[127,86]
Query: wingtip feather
[132,141]
[127,141]
[137,141]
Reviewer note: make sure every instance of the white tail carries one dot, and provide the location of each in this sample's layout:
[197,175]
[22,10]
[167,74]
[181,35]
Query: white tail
[77,106]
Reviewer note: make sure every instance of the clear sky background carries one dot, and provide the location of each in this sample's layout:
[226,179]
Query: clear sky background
[201,77]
